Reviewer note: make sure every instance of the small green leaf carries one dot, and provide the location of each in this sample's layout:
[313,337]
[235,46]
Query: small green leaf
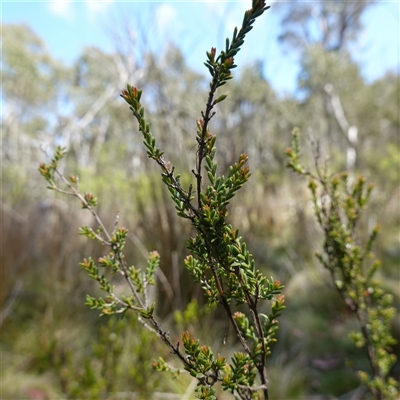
[221,98]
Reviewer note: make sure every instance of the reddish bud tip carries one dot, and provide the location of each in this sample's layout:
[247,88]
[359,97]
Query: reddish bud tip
[288,151]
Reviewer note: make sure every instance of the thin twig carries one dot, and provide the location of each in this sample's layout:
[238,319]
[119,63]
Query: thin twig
[85,202]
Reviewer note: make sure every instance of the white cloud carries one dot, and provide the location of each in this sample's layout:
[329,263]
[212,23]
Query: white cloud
[226,15]
[165,15]
[95,7]
[217,7]
[61,8]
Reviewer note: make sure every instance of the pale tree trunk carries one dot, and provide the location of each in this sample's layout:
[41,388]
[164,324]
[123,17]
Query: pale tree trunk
[350,131]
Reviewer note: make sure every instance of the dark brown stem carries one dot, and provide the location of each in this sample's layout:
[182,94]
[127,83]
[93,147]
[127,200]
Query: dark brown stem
[228,311]
[177,186]
[202,142]
[165,337]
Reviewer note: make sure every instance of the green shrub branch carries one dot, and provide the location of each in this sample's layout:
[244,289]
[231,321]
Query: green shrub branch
[219,260]
[338,206]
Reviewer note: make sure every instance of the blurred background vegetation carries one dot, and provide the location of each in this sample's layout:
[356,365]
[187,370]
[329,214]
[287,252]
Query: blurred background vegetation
[53,347]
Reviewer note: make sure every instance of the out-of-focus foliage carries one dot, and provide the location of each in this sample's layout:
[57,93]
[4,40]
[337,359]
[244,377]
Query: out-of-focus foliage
[78,106]
[332,24]
[338,207]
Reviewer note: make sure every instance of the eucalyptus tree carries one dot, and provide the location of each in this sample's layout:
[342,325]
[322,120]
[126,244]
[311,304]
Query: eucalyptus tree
[318,32]
[333,25]
[32,82]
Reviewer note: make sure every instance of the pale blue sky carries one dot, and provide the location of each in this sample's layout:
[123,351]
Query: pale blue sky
[196,26]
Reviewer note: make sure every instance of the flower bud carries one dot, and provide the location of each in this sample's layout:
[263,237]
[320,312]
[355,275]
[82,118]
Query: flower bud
[213,51]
